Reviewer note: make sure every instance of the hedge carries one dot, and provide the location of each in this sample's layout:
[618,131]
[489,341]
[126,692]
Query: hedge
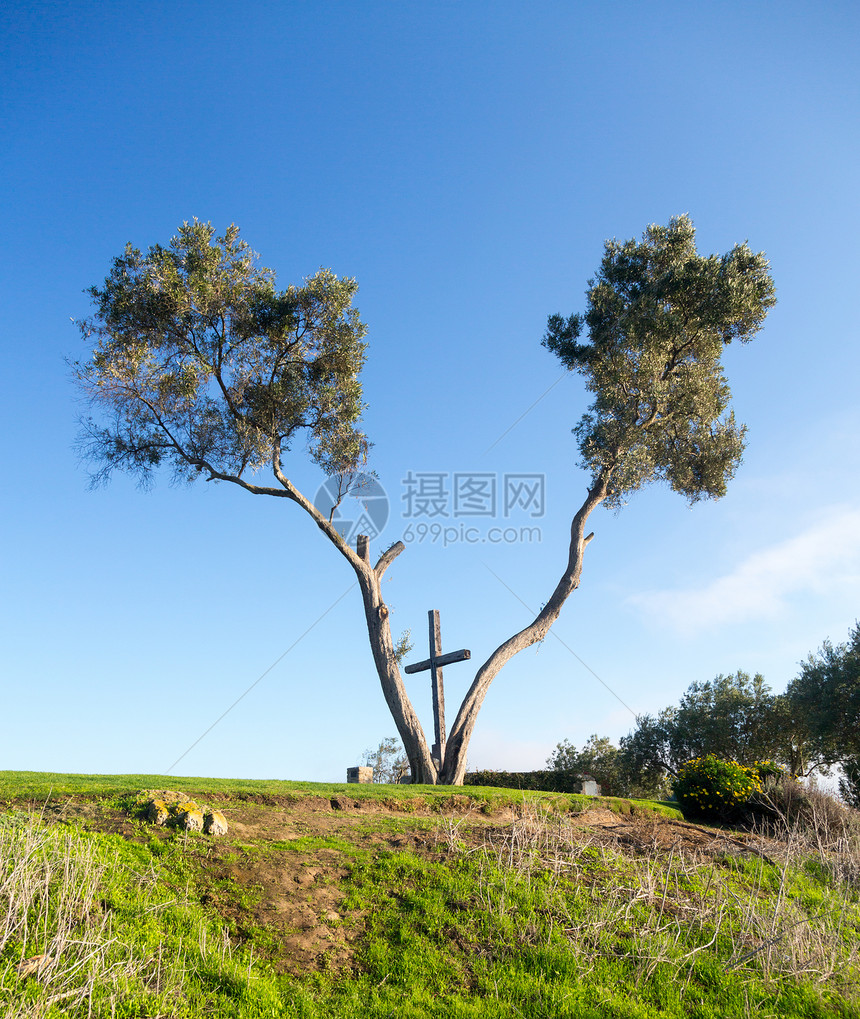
[541,781]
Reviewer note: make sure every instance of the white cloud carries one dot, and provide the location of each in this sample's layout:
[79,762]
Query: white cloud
[822,560]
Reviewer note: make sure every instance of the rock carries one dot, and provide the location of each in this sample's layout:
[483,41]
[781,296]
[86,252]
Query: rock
[170,796]
[166,807]
[156,812]
[188,816]
[214,823]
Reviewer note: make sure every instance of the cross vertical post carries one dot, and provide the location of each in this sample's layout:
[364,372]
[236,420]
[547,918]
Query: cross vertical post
[434,664]
[438,750]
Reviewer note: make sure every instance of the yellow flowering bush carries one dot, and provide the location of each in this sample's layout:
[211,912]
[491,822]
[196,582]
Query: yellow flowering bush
[711,787]
[770,774]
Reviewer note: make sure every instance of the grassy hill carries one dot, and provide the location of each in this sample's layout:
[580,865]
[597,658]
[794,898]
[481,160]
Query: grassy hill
[353,901]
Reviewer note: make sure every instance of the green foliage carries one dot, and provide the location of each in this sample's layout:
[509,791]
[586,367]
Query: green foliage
[849,782]
[730,716]
[550,781]
[36,787]
[648,751]
[714,788]
[522,919]
[735,717]
[402,646]
[826,695]
[615,770]
[769,773]
[203,365]
[815,724]
[658,318]
[598,758]
[115,930]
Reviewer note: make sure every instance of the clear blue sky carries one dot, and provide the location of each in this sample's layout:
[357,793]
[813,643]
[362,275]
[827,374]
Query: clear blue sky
[465,162]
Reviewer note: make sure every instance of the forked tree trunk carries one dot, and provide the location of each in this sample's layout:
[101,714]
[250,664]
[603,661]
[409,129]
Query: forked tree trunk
[453,768]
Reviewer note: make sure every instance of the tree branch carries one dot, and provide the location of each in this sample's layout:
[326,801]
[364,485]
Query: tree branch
[361,567]
[464,724]
[387,558]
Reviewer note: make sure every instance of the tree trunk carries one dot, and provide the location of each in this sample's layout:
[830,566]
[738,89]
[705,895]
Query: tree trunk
[376,613]
[394,690]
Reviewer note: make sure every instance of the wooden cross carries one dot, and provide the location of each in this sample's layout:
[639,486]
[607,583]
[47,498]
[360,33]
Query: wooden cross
[434,663]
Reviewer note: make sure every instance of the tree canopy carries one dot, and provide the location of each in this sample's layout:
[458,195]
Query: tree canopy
[734,717]
[659,315]
[204,365]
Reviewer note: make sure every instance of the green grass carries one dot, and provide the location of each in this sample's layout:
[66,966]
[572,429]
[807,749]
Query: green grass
[518,919]
[37,787]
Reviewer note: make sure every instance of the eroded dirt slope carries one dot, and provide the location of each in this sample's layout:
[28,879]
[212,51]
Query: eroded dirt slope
[277,876]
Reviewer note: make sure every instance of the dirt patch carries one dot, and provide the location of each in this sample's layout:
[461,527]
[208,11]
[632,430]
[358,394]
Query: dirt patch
[287,903]
[642,833]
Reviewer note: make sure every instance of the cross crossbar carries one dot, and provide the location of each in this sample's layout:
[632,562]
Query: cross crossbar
[447,659]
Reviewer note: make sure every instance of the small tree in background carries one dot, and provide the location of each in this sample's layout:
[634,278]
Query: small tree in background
[649,751]
[598,758]
[849,782]
[733,717]
[388,760]
[618,773]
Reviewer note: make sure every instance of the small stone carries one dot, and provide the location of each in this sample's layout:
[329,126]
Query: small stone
[214,823]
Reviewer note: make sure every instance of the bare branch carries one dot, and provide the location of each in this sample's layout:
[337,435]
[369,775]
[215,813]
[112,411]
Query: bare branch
[387,558]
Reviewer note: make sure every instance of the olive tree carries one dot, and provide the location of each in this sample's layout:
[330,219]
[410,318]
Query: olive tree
[203,366]
[659,316]
[388,760]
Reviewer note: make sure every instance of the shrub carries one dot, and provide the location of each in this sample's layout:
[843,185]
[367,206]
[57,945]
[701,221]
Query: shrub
[770,773]
[713,788]
[786,803]
[549,781]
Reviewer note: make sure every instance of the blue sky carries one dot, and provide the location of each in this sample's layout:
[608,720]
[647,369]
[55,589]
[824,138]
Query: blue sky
[465,162]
